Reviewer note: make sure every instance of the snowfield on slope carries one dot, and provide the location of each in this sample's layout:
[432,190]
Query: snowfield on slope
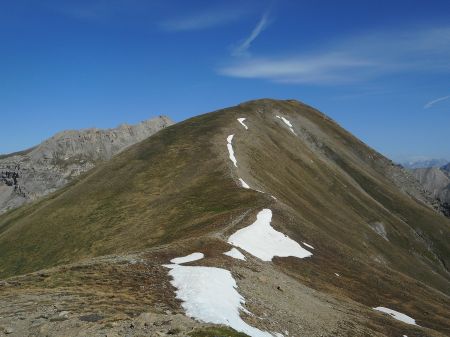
[235,253]
[188,258]
[210,295]
[230,149]
[241,120]
[264,242]
[397,315]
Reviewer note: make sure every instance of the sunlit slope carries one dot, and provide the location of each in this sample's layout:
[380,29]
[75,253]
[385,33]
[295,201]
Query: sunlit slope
[339,187]
[344,198]
[180,184]
[174,185]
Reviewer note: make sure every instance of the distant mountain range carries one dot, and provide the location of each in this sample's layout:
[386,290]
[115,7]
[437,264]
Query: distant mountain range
[33,173]
[425,163]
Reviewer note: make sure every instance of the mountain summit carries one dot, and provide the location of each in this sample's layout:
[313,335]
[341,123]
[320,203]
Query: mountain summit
[263,219]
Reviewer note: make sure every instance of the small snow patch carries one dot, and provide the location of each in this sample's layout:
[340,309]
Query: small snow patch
[264,242]
[379,228]
[241,120]
[397,315]
[230,149]
[188,258]
[243,183]
[309,246]
[337,274]
[234,253]
[288,123]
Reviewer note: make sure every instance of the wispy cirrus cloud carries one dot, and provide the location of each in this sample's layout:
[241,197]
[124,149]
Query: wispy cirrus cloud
[437,100]
[351,60]
[262,24]
[332,68]
[211,18]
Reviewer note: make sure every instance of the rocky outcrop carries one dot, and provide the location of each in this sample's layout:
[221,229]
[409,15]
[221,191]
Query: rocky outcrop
[437,182]
[30,174]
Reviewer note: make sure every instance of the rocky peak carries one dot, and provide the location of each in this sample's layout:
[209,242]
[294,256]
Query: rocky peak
[27,175]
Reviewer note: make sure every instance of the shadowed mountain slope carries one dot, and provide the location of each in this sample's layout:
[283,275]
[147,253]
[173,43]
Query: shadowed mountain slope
[377,241]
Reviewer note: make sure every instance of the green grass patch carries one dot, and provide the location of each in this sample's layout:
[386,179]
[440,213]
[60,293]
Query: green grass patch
[217,332]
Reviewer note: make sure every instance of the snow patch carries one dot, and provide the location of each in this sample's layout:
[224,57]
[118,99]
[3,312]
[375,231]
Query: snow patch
[235,253]
[243,183]
[241,120]
[309,246]
[230,149]
[288,123]
[210,295]
[264,242]
[188,258]
[397,315]
[337,274]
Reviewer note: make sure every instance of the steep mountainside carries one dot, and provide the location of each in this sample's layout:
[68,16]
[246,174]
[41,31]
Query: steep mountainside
[27,175]
[437,182]
[272,197]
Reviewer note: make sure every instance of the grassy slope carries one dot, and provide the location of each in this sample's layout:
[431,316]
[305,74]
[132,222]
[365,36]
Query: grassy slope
[329,201]
[170,186]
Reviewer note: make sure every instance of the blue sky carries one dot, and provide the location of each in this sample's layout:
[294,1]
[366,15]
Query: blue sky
[379,68]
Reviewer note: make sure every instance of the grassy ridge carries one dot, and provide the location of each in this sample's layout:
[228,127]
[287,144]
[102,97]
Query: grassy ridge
[172,185]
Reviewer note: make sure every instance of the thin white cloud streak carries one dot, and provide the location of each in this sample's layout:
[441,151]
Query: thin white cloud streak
[352,60]
[437,100]
[331,68]
[212,18]
[262,24]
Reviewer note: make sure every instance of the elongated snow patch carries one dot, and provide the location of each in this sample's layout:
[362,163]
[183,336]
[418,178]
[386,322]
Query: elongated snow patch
[264,242]
[209,294]
[235,253]
[230,149]
[241,120]
[243,183]
[397,315]
[188,258]
[309,246]
[288,123]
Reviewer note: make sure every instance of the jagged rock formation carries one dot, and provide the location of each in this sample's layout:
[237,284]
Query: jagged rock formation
[436,181]
[30,174]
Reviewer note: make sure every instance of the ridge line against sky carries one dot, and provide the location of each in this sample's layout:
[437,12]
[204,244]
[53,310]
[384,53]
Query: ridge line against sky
[374,68]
